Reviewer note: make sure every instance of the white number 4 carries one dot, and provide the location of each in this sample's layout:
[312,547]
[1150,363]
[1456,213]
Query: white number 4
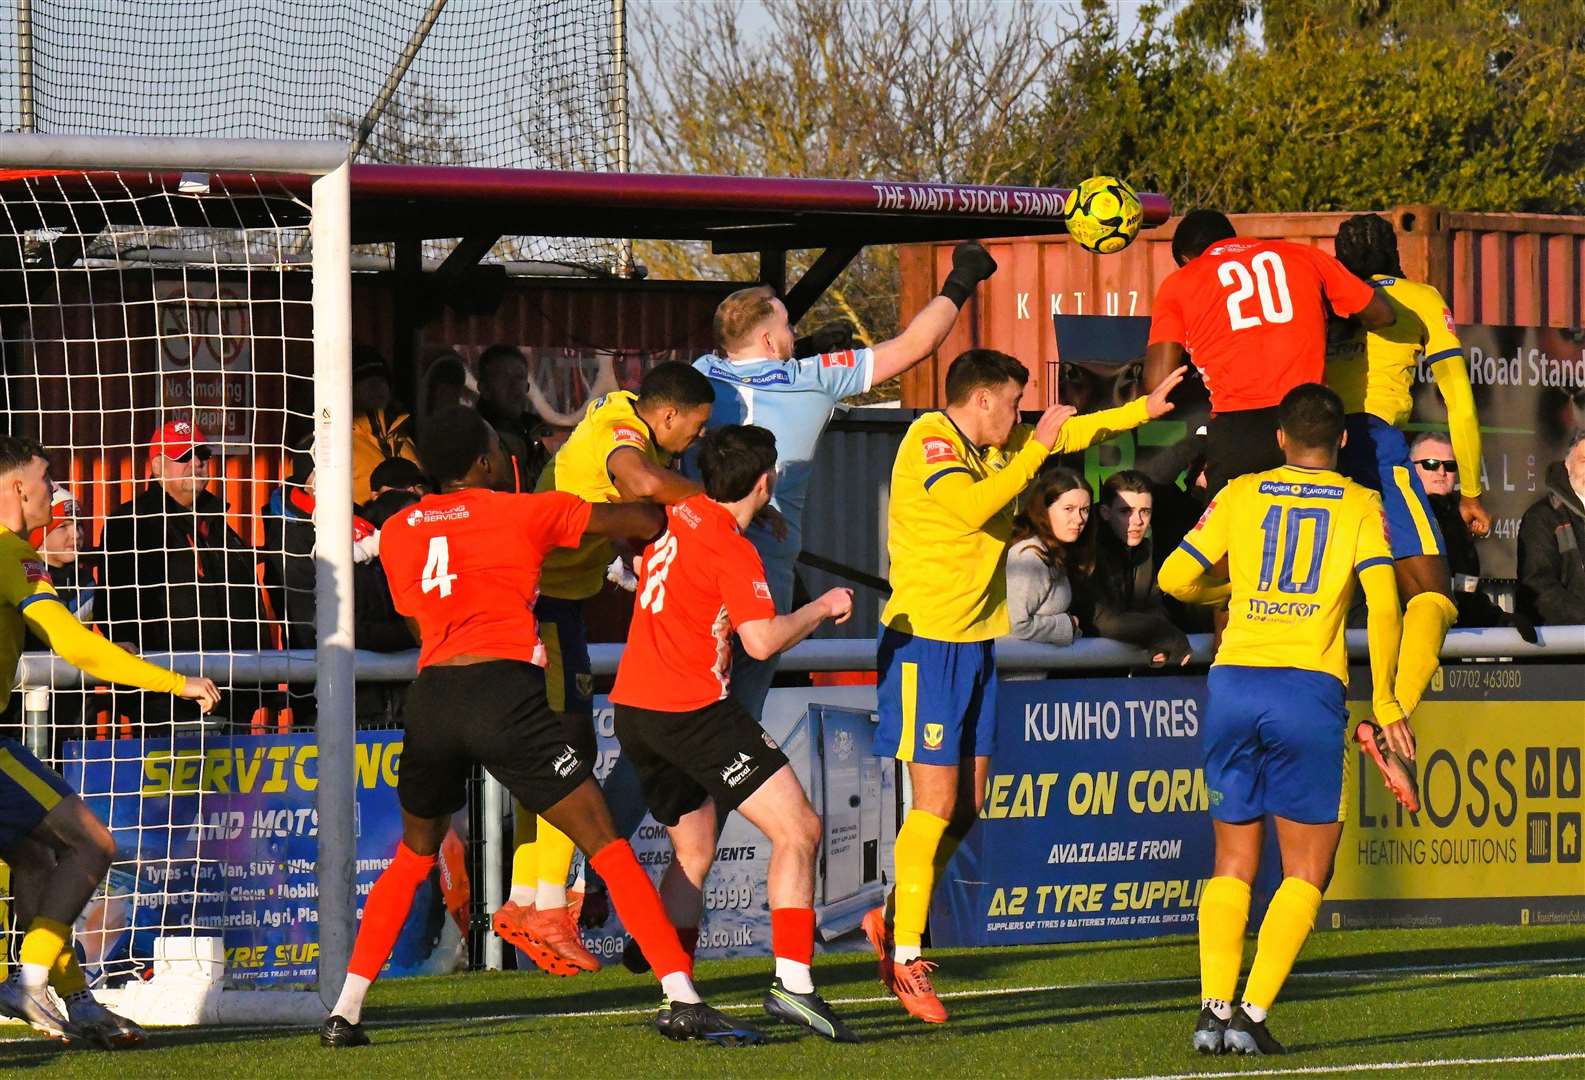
[435,567]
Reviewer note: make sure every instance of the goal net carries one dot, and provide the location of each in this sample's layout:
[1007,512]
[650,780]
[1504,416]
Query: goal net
[503,83]
[163,328]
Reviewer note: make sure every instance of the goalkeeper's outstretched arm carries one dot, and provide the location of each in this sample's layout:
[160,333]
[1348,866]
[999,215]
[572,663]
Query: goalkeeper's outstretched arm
[83,649]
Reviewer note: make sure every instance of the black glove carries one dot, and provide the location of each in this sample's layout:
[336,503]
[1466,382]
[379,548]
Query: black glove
[971,264]
[829,338]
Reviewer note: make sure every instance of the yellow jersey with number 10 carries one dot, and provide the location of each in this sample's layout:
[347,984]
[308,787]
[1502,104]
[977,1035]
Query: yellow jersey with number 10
[580,468]
[1295,538]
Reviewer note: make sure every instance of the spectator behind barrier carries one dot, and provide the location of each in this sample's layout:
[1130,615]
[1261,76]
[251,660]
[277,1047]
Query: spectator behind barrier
[503,401]
[1126,604]
[446,383]
[59,543]
[1551,561]
[176,576]
[380,429]
[1051,547]
[1432,454]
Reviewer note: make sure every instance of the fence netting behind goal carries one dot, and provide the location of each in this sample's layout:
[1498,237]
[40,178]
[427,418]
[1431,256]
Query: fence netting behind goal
[503,83]
[158,340]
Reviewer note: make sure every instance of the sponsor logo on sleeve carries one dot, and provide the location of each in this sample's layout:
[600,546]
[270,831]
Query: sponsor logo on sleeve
[1447,317]
[762,590]
[1198,525]
[34,570]
[844,358]
[937,450]
[627,435]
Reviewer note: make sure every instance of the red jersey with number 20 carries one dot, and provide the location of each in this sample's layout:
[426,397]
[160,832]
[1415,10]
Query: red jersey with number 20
[700,581]
[465,565]
[1251,316]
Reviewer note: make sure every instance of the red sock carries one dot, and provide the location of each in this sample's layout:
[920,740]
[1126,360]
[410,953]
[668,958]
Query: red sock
[689,937]
[792,933]
[386,910]
[638,906]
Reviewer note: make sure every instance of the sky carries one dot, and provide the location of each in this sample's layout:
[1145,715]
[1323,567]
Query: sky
[263,68]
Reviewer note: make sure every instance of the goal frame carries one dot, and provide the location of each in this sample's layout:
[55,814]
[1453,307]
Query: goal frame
[324,163]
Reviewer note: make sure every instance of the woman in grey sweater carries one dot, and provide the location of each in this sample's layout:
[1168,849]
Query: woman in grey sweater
[1051,548]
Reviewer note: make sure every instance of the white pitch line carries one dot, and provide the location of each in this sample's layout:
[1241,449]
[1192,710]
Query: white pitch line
[1427,971]
[1382,1066]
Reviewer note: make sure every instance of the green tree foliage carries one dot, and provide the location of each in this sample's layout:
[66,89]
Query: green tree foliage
[1310,105]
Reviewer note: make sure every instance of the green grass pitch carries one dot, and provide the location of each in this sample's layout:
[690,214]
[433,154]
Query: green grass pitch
[1486,1001]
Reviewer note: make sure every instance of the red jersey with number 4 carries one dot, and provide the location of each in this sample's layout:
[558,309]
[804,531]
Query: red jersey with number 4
[466,566]
[699,582]
[1251,316]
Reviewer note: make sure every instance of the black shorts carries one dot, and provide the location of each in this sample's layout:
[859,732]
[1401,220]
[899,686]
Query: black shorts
[717,752]
[494,714]
[1239,443]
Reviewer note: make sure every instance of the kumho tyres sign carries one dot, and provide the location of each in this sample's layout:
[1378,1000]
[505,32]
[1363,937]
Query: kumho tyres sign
[1095,823]
[1498,836]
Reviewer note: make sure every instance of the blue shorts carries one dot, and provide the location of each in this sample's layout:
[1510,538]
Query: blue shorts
[1377,456]
[569,681]
[937,699]
[29,789]
[1276,742]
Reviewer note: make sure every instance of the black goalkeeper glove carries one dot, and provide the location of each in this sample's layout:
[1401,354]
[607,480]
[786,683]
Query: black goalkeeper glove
[971,264]
[829,338]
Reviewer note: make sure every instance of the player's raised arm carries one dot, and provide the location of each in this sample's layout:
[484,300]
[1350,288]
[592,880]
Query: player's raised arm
[638,477]
[971,264]
[1445,354]
[107,662]
[976,501]
[764,638]
[1083,432]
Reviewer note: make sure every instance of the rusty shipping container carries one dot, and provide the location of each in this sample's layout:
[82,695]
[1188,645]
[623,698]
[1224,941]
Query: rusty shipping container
[1495,270]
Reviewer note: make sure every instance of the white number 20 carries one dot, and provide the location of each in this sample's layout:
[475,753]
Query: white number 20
[1270,279]
[436,566]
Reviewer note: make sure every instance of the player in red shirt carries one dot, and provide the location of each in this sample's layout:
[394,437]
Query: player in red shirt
[464,565]
[698,753]
[1252,315]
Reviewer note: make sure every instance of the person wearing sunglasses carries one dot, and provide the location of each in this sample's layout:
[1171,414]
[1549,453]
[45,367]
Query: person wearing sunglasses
[1432,454]
[175,577]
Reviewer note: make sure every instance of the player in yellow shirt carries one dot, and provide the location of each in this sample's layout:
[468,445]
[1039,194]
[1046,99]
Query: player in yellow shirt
[954,484]
[1276,727]
[57,850]
[1374,373]
[619,452]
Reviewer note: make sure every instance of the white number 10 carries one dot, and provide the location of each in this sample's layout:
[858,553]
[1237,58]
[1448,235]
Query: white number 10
[1270,278]
[435,575]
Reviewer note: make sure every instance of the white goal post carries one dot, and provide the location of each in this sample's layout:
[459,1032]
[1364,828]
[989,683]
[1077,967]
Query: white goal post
[135,174]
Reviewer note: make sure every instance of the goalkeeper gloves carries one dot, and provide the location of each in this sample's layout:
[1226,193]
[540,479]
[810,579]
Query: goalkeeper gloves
[971,264]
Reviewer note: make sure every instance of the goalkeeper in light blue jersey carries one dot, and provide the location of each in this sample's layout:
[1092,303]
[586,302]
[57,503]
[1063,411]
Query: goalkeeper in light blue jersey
[760,379]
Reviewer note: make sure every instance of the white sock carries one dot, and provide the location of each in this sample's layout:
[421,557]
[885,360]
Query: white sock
[1256,1013]
[551,895]
[35,976]
[523,895]
[1222,1010]
[349,1006]
[678,988]
[795,977]
[902,954]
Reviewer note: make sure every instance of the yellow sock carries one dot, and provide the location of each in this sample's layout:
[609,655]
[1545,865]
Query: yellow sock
[66,975]
[525,856]
[44,941]
[1224,912]
[555,863]
[1425,624]
[947,848]
[1289,920]
[917,843]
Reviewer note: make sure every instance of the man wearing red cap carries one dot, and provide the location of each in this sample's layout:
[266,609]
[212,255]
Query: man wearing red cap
[175,576]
